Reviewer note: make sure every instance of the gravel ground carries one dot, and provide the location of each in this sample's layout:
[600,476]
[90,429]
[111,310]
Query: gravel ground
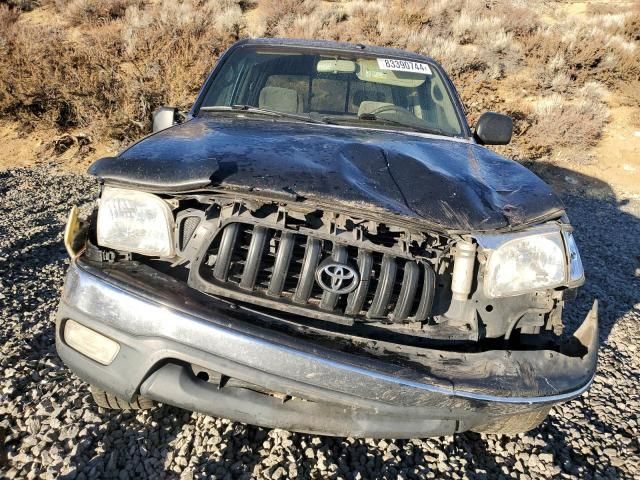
[49,426]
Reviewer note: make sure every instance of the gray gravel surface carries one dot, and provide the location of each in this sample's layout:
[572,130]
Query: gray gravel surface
[49,426]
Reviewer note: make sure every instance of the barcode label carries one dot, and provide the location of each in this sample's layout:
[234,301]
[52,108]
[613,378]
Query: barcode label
[403,66]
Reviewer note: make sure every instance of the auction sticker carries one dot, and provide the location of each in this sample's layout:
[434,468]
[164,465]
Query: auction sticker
[403,66]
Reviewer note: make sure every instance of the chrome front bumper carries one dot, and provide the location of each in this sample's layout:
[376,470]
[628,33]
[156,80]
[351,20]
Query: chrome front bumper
[162,326]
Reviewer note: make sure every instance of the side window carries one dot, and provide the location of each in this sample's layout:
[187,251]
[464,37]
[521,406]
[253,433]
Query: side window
[329,95]
[443,109]
[299,83]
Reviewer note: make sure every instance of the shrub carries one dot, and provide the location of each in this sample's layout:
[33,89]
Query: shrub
[107,64]
[113,75]
[577,124]
[80,12]
[589,53]
[8,16]
[24,5]
[279,15]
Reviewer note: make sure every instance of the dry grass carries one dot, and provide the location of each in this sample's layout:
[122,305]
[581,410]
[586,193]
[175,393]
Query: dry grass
[93,12]
[585,51]
[575,124]
[105,65]
[110,76]
[23,5]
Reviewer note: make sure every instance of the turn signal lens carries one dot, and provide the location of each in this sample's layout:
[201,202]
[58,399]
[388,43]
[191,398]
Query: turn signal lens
[90,343]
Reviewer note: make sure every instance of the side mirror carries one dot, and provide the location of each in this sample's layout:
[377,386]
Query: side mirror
[494,129]
[164,117]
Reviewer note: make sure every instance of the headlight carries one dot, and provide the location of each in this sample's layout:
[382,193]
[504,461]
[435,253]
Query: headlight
[135,222]
[526,263]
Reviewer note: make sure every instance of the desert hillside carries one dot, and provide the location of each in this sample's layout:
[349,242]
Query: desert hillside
[79,79]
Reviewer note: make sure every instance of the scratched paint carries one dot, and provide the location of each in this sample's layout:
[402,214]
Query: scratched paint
[455,185]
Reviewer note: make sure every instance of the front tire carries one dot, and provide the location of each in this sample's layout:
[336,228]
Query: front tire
[107,400]
[514,424]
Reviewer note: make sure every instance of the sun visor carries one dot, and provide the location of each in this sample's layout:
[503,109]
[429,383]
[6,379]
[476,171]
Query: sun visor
[369,71]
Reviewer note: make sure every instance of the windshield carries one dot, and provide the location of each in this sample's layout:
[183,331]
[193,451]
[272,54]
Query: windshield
[343,88]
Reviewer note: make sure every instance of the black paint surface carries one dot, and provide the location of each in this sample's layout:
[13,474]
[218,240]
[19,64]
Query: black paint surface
[454,184]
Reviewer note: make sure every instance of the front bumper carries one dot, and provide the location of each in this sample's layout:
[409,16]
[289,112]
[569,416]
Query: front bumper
[163,326]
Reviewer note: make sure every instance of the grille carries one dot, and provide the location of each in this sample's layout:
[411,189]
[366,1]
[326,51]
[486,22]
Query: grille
[186,229]
[187,222]
[271,266]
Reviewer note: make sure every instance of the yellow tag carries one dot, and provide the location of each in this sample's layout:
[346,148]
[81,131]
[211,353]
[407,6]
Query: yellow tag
[71,231]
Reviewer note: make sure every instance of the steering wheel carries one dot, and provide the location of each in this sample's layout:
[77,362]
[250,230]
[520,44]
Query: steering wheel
[400,114]
[391,108]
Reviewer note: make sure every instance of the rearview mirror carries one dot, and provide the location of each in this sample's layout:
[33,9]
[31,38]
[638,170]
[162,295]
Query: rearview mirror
[336,66]
[164,117]
[494,129]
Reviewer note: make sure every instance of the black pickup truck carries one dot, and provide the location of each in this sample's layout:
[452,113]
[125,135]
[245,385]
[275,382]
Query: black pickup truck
[323,244]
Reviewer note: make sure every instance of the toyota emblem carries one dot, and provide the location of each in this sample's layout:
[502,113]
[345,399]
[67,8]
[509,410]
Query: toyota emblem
[336,277]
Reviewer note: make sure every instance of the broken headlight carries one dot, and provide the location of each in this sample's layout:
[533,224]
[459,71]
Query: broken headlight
[135,222]
[526,263]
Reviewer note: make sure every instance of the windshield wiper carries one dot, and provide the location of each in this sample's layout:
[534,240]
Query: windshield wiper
[370,117]
[260,111]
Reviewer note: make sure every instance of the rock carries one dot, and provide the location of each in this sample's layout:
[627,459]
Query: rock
[518,466]
[52,430]
[278,473]
[546,457]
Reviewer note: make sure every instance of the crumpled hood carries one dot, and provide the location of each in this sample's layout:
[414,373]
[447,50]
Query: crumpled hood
[455,185]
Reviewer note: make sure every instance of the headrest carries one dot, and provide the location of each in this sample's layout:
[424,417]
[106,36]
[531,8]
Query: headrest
[280,99]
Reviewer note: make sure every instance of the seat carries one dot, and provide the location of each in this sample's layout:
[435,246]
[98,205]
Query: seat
[279,99]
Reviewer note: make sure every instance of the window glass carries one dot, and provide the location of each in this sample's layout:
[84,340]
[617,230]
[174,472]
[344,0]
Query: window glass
[345,87]
[368,91]
[299,83]
[328,95]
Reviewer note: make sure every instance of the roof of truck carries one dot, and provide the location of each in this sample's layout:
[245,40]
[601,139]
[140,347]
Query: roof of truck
[332,45]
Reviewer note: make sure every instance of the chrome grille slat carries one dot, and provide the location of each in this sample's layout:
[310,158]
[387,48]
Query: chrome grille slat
[307,274]
[356,299]
[426,296]
[223,260]
[281,265]
[270,265]
[384,289]
[254,256]
[407,292]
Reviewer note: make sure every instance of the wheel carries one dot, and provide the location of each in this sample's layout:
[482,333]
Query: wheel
[107,400]
[513,424]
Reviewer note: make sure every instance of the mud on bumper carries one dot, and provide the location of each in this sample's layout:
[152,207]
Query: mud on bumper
[165,328]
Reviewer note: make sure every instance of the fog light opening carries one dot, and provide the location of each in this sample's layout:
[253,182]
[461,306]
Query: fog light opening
[204,376]
[90,343]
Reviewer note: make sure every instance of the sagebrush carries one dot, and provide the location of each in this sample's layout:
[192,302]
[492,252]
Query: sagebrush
[104,65]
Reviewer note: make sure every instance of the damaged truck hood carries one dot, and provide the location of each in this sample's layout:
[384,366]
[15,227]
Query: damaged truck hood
[452,184]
